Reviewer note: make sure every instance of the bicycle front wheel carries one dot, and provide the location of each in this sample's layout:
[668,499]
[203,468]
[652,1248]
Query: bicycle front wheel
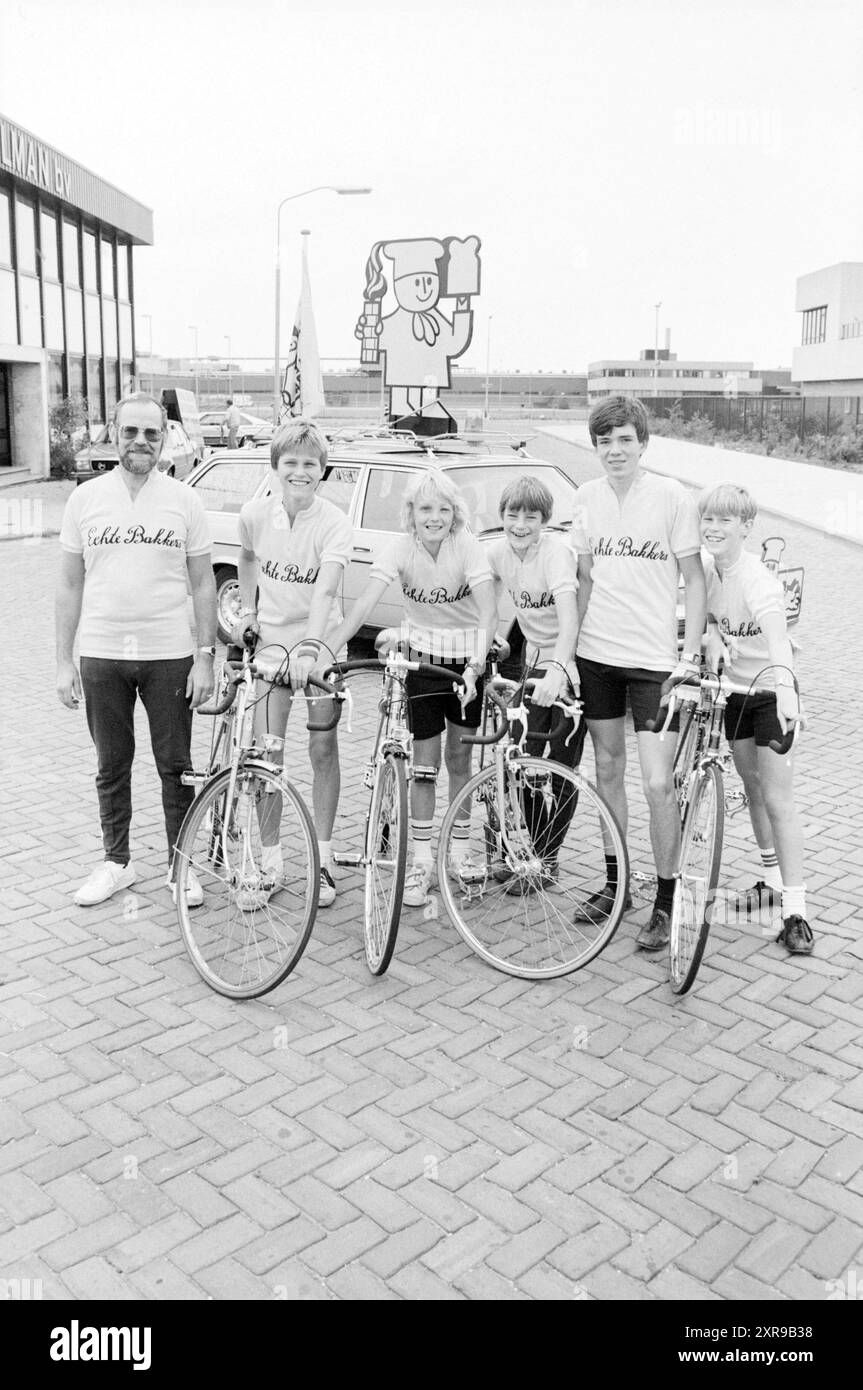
[697,877]
[685,755]
[255,856]
[385,859]
[516,872]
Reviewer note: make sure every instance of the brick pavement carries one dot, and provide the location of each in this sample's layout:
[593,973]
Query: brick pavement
[445,1131]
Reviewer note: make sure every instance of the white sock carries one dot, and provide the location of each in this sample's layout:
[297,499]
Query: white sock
[325,850]
[794,902]
[271,859]
[422,853]
[772,876]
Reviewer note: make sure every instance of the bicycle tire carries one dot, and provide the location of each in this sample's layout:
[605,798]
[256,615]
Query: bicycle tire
[385,858]
[516,912]
[251,930]
[697,876]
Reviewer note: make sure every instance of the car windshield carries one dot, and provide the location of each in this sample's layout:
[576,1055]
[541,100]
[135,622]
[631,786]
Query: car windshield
[482,488]
[226,486]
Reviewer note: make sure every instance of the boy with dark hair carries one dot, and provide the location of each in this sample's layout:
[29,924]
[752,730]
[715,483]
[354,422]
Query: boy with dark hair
[635,533]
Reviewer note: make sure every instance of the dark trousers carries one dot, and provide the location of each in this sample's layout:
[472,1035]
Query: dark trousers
[110,690]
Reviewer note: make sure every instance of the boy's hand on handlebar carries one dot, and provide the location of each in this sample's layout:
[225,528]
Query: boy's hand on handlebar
[685,672]
[552,687]
[299,670]
[788,708]
[466,692]
[715,651]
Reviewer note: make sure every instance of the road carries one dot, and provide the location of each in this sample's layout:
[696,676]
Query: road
[444,1132]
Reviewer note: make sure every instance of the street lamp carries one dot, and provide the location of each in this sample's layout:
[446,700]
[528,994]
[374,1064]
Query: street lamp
[228,341]
[149,318]
[487,360]
[319,188]
[194,329]
[657,308]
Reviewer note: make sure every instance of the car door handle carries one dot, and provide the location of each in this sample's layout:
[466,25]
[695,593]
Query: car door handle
[362,550]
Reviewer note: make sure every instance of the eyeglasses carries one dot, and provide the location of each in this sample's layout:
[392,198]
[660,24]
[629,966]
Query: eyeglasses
[129,432]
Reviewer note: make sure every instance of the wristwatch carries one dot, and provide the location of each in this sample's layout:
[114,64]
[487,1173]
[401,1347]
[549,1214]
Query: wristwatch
[206,651]
[691,658]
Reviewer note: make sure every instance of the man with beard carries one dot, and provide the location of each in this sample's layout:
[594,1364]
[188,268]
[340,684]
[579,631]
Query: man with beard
[129,540]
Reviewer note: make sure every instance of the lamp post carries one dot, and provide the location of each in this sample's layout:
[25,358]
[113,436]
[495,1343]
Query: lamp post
[228,341]
[487,360]
[193,327]
[656,308]
[319,188]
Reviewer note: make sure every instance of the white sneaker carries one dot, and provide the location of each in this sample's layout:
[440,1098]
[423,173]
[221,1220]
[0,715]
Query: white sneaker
[417,884]
[194,891]
[105,880]
[327,890]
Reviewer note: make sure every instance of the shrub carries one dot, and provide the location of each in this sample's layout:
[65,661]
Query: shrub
[65,420]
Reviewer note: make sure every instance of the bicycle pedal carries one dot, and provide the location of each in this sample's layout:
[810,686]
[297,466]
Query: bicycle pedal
[348,861]
[642,885]
[193,779]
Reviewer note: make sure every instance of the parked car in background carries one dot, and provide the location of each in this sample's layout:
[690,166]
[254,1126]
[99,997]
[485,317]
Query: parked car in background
[366,480]
[178,457]
[182,406]
[252,429]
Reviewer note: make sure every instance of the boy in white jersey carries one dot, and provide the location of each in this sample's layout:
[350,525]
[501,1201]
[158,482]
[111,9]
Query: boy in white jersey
[635,533]
[747,630]
[449,620]
[294,549]
[539,573]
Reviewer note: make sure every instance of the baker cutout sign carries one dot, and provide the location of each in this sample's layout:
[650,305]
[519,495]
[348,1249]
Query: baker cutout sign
[417,339]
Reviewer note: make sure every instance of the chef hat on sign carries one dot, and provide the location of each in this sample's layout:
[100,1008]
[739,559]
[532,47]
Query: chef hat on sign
[414,257]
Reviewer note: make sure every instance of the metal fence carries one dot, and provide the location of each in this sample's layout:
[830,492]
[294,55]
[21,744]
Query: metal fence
[757,416]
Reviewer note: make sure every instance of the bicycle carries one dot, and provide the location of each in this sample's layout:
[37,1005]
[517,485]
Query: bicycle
[250,841]
[698,773]
[385,847]
[535,852]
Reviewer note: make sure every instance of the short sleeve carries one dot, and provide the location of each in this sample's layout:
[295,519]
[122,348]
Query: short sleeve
[561,570]
[340,540]
[496,553]
[246,526]
[578,538]
[764,593]
[684,530]
[475,561]
[198,535]
[390,562]
[70,526]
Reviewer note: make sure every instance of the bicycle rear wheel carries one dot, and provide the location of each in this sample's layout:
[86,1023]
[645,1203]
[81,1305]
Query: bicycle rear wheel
[386,854]
[512,888]
[255,855]
[697,877]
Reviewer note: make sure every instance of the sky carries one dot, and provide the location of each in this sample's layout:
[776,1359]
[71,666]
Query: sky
[610,155]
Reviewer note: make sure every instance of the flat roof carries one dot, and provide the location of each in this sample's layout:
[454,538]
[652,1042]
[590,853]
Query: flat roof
[46,170]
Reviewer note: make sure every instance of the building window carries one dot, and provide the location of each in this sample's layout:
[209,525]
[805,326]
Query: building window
[53,302]
[93,324]
[110,387]
[31,314]
[74,322]
[125,379]
[109,326]
[90,272]
[815,325]
[50,261]
[25,227]
[107,269]
[5,234]
[125,331]
[8,318]
[71,268]
[122,271]
[94,391]
[77,379]
[55,381]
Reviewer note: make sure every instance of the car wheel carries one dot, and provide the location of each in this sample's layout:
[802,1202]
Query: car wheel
[227,600]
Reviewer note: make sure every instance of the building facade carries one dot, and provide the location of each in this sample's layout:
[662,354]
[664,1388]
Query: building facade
[829,360]
[661,374]
[66,293]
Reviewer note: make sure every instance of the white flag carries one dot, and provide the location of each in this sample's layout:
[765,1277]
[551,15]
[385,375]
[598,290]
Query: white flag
[303,386]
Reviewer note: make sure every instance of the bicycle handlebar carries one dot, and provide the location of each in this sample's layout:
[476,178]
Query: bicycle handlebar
[569,711]
[344,668]
[237,669]
[688,691]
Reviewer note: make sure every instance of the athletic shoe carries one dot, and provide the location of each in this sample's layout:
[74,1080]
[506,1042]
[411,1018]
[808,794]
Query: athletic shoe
[105,880]
[194,891]
[758,898]
[598,906]
[796,936]
[657,933]
[417,884]
[327,890]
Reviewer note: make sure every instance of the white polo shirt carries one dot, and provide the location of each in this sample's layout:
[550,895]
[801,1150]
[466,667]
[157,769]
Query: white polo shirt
[738,601]
[636,544]
[290,557]
[533,584]
[441,612]
[134,606]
